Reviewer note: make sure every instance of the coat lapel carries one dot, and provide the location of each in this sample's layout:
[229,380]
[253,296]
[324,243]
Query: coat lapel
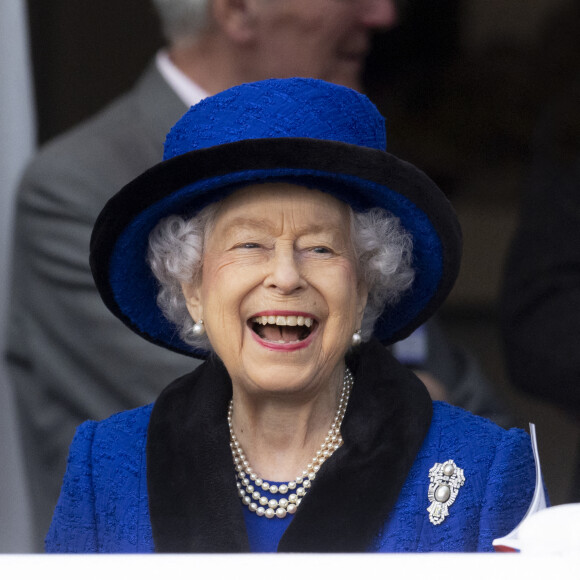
[193,499]
[192,496]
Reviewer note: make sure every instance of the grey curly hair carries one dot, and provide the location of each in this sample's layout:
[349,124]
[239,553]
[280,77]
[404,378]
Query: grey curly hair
[383,252]
[182,18]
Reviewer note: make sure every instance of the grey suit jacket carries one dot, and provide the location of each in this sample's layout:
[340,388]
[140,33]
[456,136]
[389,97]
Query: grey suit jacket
[69,358]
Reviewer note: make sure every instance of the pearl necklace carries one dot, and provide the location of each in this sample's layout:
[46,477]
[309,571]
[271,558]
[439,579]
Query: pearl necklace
[249,482]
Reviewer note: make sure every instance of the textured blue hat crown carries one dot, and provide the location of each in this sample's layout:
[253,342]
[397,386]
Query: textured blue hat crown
[279,108]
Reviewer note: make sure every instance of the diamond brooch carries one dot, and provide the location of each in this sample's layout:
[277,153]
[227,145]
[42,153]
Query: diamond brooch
[445,480]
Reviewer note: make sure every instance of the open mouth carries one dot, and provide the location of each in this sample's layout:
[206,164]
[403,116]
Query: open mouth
[283,329]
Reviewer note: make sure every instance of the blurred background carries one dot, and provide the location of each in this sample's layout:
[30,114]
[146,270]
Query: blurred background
[462,84]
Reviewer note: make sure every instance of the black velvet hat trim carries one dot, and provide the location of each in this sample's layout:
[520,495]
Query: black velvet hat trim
[193,499]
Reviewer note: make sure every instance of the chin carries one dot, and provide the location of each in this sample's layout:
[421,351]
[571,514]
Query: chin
[281,373]
[350,75]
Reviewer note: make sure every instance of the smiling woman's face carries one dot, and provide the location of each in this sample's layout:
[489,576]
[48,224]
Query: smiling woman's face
[279,294]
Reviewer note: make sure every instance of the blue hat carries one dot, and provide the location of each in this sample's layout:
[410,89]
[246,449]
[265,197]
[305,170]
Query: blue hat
[303,131]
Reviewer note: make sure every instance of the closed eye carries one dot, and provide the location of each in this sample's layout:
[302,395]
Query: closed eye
[248,245]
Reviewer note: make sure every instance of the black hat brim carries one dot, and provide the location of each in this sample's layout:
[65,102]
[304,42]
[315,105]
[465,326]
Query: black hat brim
[361,177]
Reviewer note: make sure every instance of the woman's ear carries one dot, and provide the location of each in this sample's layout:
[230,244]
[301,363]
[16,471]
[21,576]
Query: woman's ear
[192,297]
[236,18]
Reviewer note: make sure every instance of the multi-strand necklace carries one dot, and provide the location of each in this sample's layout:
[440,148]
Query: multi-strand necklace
[251,485]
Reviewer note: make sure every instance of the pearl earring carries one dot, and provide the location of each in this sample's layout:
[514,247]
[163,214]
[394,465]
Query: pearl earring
[198,329]
[356,338]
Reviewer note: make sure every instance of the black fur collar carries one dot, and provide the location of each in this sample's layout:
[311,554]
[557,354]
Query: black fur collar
[193,502]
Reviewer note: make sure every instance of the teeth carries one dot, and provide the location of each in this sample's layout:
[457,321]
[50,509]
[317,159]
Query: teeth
[284,320]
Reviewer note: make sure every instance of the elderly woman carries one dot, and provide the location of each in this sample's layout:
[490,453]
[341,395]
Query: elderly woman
[279,241]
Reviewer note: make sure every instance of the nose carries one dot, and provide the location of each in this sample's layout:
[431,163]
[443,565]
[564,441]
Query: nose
[378,14]
[284,274]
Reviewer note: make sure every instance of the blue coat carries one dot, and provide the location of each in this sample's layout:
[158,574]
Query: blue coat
[160,478]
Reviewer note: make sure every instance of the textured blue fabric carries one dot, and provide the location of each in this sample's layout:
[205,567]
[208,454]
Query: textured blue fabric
[296,107]
[264,534]
[103,504]
[499,480]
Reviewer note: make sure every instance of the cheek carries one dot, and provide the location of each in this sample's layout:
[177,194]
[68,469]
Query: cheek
[225,286]
[312,34]
[337,286]
[227,277]
[216,296]
[223,325]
